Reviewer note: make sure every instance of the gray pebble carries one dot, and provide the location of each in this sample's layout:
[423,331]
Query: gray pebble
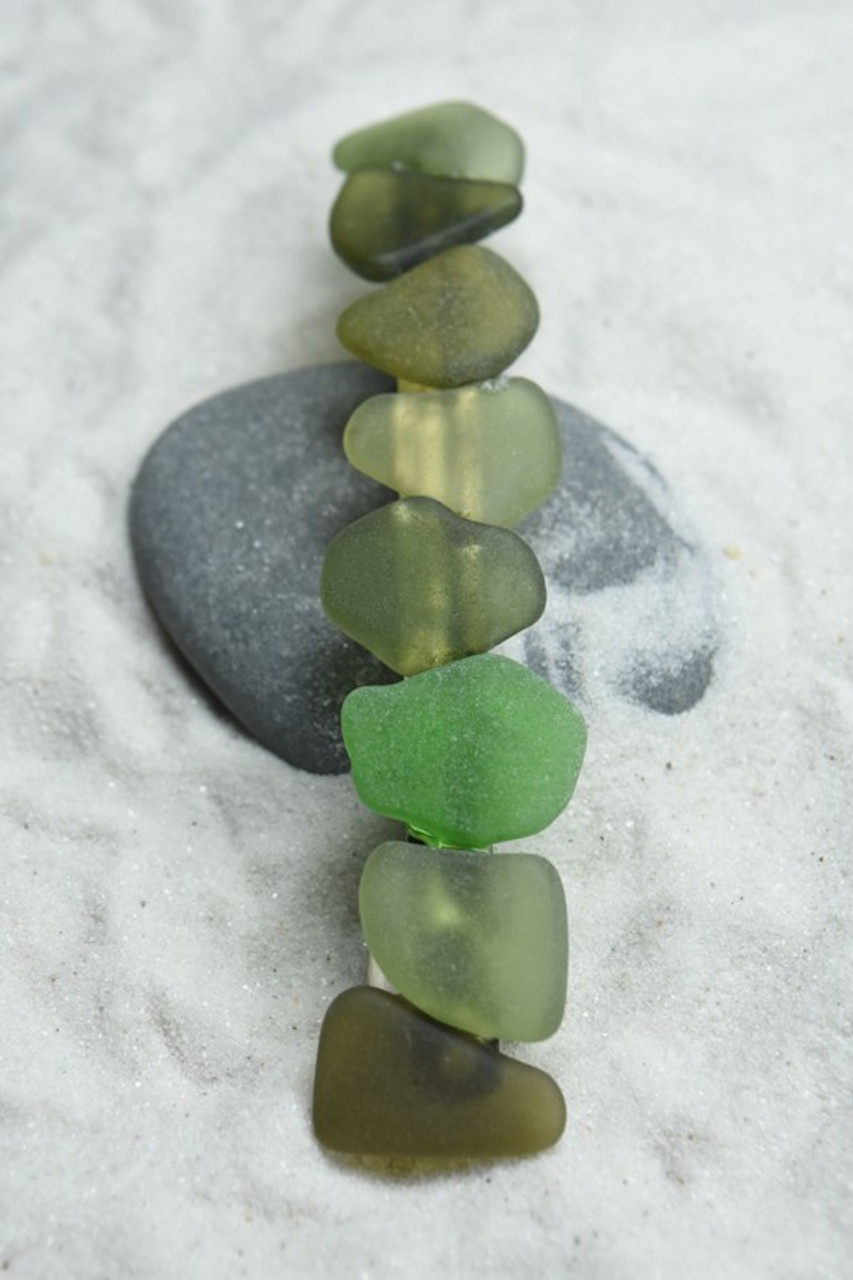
[235,503]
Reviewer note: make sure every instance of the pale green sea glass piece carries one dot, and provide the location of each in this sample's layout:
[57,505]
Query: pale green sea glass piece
[477,940]
[386,221]
[418,586]
[463,316]
[467,754]
[490,452]
[391,1082]
[450,139]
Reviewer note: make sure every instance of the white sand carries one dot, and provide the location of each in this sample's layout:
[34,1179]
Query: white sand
[179,905]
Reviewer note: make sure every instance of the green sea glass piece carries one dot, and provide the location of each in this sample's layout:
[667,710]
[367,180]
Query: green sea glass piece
[386,221]
[467,754]
[418,586]
[479,941]
[462,316]
[391,1082]
[450,139]
[490,452]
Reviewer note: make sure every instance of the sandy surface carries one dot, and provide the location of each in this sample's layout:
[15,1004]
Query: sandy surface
[179,905]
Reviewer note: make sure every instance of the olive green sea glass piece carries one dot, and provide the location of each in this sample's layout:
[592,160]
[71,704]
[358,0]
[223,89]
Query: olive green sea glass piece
[462,316]
[477,940]
[391,1082]
[468,754]
[490,452]
[386,221]
[418,586]
[450,139]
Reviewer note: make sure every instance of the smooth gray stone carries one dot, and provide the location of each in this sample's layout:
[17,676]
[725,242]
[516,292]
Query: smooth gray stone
[230,516]
[235,504]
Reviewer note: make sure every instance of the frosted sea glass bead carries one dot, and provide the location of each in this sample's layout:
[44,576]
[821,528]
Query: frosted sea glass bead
[468,754]
[490,452]
[386,221]
[477,940]
[450,139]
[462,316]
[391,1082]
[418,586]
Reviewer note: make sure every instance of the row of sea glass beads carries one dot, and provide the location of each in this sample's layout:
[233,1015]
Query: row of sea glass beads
[472,748]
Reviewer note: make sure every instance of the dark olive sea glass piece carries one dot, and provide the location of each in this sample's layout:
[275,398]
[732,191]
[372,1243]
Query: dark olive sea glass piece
[463,316]
[392,1082]
[468,754]
[418,585]
[477,940]
[450,139]
[386,221]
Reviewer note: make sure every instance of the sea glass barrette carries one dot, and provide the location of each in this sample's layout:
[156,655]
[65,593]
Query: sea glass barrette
[470,748]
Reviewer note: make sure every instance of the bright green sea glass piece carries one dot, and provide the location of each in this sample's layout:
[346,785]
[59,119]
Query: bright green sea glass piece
[391,1082]
[490,452]
[386,221]
[468,754]
[451,140]
[477,940]
[418,586]
[463,316]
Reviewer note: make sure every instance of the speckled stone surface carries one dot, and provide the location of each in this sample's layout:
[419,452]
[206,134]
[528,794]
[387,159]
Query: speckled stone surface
[230,515]
[235,504]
